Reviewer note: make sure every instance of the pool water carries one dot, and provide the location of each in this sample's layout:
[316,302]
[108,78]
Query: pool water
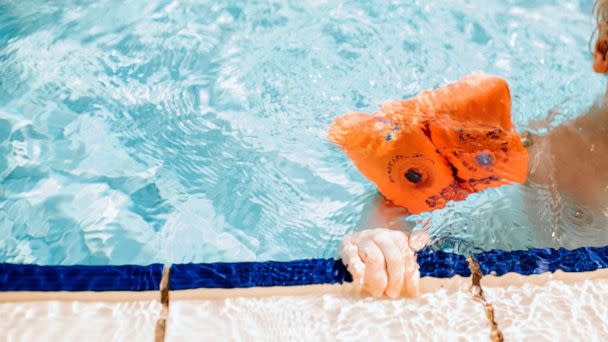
[194,131]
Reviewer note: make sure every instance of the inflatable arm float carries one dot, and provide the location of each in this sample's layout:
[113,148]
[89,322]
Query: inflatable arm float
[441,145]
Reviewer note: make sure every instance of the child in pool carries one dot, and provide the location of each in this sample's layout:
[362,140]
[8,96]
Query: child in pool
[571,158]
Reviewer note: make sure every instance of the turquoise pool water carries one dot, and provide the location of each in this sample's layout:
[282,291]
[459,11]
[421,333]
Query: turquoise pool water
[168,131]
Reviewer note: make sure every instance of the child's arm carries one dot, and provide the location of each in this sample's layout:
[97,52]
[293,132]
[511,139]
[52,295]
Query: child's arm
[572,158]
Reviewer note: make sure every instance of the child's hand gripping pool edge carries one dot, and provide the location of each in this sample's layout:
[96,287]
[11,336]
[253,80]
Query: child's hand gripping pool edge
[383,261]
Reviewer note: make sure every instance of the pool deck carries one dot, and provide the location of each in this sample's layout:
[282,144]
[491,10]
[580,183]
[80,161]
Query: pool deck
[552,305]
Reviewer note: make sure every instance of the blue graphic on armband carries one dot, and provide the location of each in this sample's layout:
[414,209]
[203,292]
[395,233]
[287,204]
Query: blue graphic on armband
[80,278]
[540,260]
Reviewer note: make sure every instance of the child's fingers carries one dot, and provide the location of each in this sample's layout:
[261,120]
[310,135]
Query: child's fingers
[387,241]
[418,240]
[410,265]
[383,261]
[412,275]
[375,268]
[414,283]
[350,257]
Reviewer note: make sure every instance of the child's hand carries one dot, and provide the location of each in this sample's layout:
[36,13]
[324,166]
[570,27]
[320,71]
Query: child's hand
[383,260]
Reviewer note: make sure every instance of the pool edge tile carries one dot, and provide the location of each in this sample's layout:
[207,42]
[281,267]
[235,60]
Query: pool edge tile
[326,313]
[76,320]
[516,279]
[550,306]
[427,285]
[82,296]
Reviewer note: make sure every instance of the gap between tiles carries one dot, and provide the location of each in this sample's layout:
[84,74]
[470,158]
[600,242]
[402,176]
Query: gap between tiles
[475,289]
[160,330]
[478,295]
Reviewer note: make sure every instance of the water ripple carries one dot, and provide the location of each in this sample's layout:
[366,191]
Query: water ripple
[169,131]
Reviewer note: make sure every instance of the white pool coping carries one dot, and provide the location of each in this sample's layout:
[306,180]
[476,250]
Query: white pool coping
[536,306]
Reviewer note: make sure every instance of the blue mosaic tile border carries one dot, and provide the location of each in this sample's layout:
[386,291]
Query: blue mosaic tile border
[299,272]
[80,278]
[540,260]
[439,264]
[264,274]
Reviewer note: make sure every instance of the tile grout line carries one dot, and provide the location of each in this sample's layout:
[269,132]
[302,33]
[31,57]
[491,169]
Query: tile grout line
[475,289]
[478,295]
[161,324]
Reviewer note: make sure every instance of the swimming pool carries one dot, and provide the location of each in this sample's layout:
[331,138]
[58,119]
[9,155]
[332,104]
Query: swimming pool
[171,132]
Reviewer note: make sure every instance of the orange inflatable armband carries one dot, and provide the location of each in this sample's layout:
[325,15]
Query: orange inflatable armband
[439,146]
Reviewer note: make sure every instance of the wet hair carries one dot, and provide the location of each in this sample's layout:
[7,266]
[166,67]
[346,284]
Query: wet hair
[600,12]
